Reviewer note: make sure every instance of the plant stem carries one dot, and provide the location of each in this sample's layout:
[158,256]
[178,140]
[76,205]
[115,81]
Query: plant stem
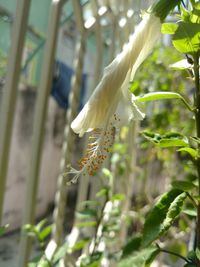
[175,254]
[192,200]
[197,117]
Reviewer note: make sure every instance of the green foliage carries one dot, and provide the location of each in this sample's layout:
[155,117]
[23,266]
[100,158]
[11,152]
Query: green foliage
[143,258]
[3,229]
[186,33]
[167,140]
[39,232]
[162,8]
[162,216]
[183,185]
[186,38]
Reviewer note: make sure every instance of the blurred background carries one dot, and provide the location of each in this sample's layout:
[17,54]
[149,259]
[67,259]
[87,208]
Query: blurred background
[52,55]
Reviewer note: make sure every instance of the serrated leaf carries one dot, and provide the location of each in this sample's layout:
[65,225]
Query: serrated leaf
[192,152]
[169,28]
[183,185]
[142,258]
[186,38]
[163,215]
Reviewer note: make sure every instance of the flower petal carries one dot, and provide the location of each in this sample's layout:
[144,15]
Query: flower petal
[104,100]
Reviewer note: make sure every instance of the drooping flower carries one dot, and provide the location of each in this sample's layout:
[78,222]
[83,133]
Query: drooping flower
[111,104]
[113,86]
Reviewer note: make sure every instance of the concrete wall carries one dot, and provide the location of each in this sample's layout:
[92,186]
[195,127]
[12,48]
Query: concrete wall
[19,162]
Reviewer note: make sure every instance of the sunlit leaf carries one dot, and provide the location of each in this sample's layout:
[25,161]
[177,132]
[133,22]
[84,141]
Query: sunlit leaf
[169,28]
[158,96]
[163,215]
[192,152]
[119,197]
[190,211]
[186,38]
[171,139]
[45,232]
[181,65]
[41,224]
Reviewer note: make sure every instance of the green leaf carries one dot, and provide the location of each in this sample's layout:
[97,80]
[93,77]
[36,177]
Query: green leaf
[61,252]
[119,197]
[186,38]
[103,192]
[163,95]
[43,263]
[181,65]
[158,96]
[3,229]
[163,215]
[195,139]
[40,225]
[197,251]
[192,152]
[80,244]
[142,258]
[92,260]
[86,213]
[86,224]
[161,8]
[183,185]
[45,232]
[169,28]
[132,245]
[190,211]
[171,139]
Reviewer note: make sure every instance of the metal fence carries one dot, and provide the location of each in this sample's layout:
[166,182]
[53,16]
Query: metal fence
[9,97]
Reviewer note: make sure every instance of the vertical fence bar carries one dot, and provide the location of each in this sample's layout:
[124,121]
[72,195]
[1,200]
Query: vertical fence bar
[10,90]
[68,143]
[39,126]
